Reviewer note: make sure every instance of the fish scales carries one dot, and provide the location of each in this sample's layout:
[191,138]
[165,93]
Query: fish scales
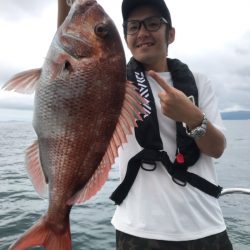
[83,110]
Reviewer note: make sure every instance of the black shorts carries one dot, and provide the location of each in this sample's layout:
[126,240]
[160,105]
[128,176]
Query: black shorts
[218,241]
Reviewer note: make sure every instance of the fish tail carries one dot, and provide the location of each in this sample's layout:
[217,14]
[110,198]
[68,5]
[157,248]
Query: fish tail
[41,234]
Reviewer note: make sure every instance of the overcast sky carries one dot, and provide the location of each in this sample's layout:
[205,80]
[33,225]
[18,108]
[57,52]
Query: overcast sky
[212,37]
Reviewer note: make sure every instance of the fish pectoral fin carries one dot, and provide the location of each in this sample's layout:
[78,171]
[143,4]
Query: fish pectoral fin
[35,170]
[130,113]
[23,82]
[93,185]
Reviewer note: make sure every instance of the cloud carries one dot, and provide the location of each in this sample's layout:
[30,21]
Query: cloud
[13,100]
[16,10]
[24,42]
[228,67]
[214,44]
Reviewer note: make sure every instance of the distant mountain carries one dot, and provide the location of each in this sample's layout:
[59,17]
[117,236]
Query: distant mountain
[236,115]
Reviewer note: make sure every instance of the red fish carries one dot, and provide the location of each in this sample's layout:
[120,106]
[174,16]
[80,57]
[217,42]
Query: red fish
[83,110]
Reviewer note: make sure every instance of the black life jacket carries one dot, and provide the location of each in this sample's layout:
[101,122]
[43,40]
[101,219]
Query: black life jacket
[148,135]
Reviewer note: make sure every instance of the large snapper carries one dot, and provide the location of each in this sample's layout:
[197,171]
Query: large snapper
[84,108]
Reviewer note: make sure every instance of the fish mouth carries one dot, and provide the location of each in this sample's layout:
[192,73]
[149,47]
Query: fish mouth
[86,2]
[84,6]
[70,38]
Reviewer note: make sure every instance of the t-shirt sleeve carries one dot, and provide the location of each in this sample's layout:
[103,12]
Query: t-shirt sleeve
[208,101]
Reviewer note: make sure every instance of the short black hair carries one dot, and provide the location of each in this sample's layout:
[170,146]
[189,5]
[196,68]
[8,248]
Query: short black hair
[130,5]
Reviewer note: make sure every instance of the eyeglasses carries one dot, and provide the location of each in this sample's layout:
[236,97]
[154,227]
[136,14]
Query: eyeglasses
[149,23]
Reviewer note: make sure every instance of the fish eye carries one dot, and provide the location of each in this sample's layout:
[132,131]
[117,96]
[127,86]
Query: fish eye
[101,30]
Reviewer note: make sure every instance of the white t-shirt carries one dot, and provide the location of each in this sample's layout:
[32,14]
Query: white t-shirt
[158,208]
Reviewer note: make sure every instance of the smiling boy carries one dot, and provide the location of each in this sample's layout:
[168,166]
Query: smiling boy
[168,194]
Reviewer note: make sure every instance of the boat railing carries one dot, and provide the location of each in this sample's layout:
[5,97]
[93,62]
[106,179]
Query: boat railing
[235,191]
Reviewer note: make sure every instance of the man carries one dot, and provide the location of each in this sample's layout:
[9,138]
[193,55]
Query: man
[161,206]
[167,198]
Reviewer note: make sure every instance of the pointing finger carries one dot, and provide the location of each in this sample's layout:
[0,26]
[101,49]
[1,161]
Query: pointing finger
[160,80]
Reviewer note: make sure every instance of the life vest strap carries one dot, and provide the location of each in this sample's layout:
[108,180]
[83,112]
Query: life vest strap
[179,174]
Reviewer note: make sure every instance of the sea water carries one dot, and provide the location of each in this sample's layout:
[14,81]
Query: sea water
[20,206]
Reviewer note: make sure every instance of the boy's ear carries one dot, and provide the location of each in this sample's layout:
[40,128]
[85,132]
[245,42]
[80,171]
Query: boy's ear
[171,35]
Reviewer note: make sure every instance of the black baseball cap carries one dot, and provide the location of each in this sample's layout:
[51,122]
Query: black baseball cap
[130,5]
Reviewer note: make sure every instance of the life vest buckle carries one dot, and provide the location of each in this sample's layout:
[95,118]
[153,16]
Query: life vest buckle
[148,162]
[179,182]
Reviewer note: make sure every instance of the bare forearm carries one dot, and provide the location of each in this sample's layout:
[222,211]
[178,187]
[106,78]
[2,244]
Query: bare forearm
[212,143]
[63,10]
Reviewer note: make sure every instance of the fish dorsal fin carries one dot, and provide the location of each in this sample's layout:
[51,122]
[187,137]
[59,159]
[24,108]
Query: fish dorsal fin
[131,111]
[35,171]
[23,82]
